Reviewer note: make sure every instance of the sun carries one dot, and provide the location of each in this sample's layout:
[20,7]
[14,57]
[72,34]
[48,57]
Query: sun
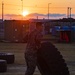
[25,13]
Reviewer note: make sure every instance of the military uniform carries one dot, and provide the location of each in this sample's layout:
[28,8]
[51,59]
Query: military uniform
[34,39]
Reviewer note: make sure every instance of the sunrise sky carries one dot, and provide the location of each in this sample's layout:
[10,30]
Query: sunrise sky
[57,8]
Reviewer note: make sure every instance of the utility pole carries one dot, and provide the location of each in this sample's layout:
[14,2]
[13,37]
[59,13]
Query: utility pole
[22,24]
[3,19]
[2,11]
[48,10]
[69,12]
[22,8]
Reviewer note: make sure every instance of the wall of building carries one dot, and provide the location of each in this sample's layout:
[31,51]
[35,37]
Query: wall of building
[15,30]
[1,30]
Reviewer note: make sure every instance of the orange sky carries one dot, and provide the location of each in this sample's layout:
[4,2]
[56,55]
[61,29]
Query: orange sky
[36,6]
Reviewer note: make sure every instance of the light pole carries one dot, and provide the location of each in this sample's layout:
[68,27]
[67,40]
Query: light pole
[22,8]
[48,10]
[70,12]
[3,20]
[2,11]
[22,23]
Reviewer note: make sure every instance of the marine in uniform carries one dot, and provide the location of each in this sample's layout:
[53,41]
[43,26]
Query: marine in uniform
[33,43]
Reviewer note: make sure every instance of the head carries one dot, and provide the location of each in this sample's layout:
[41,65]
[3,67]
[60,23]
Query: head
[39,26]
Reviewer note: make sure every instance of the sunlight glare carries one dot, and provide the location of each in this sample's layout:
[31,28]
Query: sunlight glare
[25,13]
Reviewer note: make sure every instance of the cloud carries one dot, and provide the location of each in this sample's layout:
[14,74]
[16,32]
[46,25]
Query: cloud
[51,16]
[57,15]
[37,15]
[12,16]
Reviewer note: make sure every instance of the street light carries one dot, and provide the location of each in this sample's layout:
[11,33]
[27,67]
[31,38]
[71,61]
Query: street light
[70,12]
[3,19]
[22,8]
[48,10]
[2,11]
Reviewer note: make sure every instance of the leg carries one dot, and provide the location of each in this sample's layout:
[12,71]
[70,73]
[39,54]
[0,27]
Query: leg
[31,63]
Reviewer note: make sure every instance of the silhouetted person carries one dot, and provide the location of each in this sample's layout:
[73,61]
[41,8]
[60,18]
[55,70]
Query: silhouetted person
[33,43]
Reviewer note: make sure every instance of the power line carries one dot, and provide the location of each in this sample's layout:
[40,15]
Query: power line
[33,6]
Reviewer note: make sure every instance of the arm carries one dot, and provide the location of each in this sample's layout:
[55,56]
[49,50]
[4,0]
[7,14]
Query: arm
[38,40]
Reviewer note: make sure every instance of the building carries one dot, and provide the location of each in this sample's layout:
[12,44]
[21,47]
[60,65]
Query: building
[1,30]
[15,30]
